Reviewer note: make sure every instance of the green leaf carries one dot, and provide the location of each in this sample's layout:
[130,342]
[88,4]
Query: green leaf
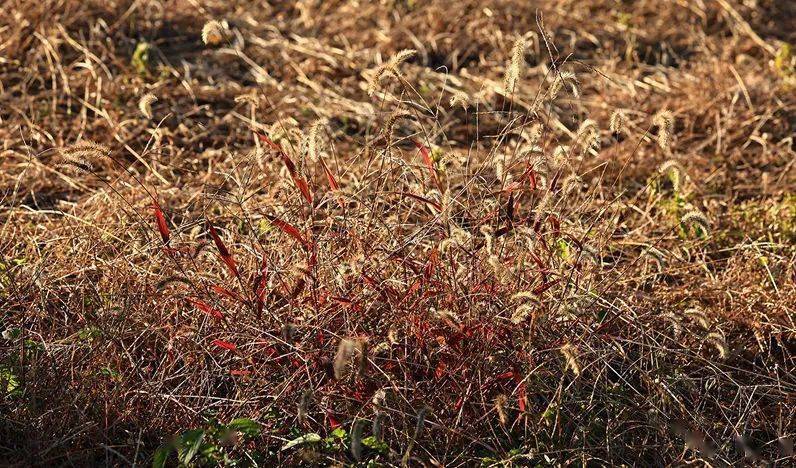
[89,333]
[161,455]
[245,426]
[373,443]
[305,439]
[12,333]
[188,444]
[140,60]
[9,381]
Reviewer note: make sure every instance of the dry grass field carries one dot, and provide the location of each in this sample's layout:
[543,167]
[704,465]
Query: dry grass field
[397,232]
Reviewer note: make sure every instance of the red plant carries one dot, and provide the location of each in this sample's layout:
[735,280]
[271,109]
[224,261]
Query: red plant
[161,223]
[206,308]
[225,345]
[222,250]
[288,229]
[301,184]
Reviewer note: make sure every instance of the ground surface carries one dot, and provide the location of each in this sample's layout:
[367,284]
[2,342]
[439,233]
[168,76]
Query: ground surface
[304,252]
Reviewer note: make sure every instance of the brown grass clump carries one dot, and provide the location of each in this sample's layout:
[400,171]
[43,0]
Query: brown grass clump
[397,233]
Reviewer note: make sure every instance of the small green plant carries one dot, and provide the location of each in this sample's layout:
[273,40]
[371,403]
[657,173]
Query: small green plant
[212,445]
[140,60]
[9,382]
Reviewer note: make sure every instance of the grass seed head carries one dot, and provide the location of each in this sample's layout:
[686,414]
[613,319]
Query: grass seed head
[515,67]
[145,104]
[213,32]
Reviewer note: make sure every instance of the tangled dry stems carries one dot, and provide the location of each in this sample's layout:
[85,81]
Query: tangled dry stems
[497,280]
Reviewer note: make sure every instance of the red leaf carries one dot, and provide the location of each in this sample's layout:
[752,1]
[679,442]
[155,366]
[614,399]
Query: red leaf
[427,160]
[288,229]
[422,199]
[222,250]
[301,184]
[225,345]
[521,397]
[161,222]
[260,282]
[304,189]
[240,372]
[333,423]
[329,176]
[544,287]
[226,292]
[206,308]
[332,182]
[269,142]
[532,178]
[440,371]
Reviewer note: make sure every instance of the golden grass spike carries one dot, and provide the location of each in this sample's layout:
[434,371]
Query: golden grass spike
[515,66]
[675,171]
[588,135]
[664,121]
[461,99]
[500,408]
[145,104]
[313,138]
[698,316]
[213,32]
[571,358]
[718,341]
[617,122]
[399,58]
[695,217]
[344,352]
[391,67]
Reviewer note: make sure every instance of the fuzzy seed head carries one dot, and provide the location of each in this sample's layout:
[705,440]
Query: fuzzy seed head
[617,122]
[571,358]
[664,121]
[696,218]
[145,104]
[213,32]
[461,99]
[515,66]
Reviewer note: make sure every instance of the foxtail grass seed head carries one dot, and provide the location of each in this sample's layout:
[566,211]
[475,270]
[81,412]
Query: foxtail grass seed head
[249,98]
[390,125]
[696,218]
[356,439]
[698,316]
[674,171]
[588,135]
[560,155]
[674,321]
[571,358]
[617,122]
[500,408]
[304,403]
[460,99]
[391,67]
[344,352]
[82,155]
[213,32]
[664,122]
[522,312]
[399,58]
[145,104]
[314,137]
[717,340]
[515,66]
[657,256]
[569,78]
